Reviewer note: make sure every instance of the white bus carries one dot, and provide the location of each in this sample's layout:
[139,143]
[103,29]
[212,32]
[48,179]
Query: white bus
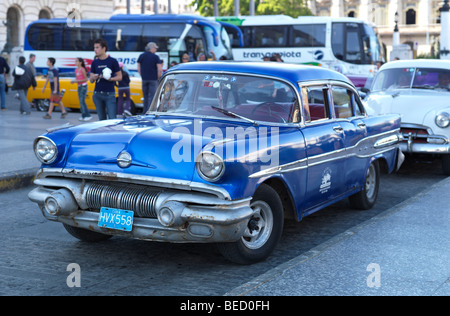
[126,36]
[347,45]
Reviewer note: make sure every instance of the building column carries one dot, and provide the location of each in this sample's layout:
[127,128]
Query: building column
[337,8]
[445,31]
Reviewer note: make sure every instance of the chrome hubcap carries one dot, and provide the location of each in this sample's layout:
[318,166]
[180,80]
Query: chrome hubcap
[259,227]
[370,184]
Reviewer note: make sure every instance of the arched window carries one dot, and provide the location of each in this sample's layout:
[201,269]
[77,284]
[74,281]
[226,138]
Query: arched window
[411,16]
[13,19]
[351,14]
[45,13]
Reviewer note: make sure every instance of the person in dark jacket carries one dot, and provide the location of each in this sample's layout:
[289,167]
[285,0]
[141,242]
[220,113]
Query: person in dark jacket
[4,70]
[23,80]
[124,93]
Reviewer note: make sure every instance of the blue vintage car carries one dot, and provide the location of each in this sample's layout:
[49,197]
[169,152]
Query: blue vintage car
[226,152]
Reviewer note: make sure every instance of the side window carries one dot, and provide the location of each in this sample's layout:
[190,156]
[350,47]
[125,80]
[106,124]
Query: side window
[308,35]
[342,100]
[357,105]
[315,103]
[270,36]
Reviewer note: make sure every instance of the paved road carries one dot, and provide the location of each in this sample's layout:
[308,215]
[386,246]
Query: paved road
[36,253]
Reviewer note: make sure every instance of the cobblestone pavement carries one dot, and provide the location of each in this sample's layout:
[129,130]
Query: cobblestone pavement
[35,252]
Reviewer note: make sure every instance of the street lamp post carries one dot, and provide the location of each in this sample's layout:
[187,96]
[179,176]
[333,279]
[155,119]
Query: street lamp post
[236,7]
[251,8]
[445,31]
[396,34]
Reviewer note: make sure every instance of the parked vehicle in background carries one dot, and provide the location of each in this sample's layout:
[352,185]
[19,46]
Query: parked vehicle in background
[348,45]
[126,35]
[70,98]
[418,90]
[226,152]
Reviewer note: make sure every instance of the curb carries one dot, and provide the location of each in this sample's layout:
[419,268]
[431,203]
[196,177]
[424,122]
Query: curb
[17,179]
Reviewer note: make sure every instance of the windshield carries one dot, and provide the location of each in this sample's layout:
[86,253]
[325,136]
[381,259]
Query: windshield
[416,78]
[226,96]
[355,43]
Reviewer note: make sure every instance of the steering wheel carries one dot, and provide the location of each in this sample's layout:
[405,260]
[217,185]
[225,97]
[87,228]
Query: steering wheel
[268,104]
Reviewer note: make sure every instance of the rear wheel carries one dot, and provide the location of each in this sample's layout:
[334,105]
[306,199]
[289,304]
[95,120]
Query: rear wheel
[263,230]
[366,198]
[85,235]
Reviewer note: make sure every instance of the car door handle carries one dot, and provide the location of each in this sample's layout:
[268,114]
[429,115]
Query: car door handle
[362,125]
[338,129]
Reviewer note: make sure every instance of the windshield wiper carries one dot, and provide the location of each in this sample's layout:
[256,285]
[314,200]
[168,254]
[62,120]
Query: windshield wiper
[232,114]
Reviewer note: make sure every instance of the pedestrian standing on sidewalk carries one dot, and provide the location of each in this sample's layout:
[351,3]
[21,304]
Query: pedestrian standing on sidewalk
[81,79]
[4,70]
[150,68]
[55,96]
[30,64]
[124,90]
[23,79]
[105,71]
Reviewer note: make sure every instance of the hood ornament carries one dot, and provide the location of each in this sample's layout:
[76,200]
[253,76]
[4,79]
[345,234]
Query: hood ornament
[124,159]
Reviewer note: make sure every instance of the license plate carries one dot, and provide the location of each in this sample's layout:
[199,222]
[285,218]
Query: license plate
[115,218]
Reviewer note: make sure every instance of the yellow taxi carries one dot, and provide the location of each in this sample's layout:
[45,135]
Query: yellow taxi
[70,97]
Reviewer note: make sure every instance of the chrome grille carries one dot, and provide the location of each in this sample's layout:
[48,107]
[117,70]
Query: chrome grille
[139,199]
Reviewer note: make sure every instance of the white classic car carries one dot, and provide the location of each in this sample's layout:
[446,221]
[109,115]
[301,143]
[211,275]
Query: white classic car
[418,90]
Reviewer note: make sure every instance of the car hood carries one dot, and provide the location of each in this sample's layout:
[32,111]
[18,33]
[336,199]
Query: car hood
[163,147]
[413,105]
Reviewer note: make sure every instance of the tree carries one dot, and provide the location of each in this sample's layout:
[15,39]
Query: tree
[292,8]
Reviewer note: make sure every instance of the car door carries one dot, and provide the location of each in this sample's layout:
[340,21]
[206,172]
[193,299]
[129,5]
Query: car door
[325,149]
[348,113]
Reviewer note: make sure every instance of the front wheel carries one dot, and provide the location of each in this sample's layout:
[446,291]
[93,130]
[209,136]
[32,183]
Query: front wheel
[263,229]
[366,198]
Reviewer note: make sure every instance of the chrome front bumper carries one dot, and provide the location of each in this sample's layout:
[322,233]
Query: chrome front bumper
[193,216]
[420,139]
[409,146]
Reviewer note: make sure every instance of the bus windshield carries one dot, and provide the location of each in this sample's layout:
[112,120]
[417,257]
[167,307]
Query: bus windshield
[355,43]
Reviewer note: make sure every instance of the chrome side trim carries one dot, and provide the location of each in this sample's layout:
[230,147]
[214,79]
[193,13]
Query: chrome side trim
[365,148]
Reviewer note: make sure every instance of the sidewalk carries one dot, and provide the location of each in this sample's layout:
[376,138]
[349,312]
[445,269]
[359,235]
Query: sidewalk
[403,251]
[17,133]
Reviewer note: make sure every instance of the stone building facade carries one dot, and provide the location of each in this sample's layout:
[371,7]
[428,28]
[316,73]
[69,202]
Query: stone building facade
[152,6]
[15,15]
[418,20]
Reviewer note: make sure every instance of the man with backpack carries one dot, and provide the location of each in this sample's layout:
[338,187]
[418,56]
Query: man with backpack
[23,79]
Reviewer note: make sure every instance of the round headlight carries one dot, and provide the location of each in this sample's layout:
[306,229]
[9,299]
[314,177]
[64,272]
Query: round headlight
[45,150]
[210,166]
[442,120]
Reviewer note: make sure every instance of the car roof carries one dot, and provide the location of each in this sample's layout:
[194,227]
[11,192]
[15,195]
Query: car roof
[426,63]
[291,72]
